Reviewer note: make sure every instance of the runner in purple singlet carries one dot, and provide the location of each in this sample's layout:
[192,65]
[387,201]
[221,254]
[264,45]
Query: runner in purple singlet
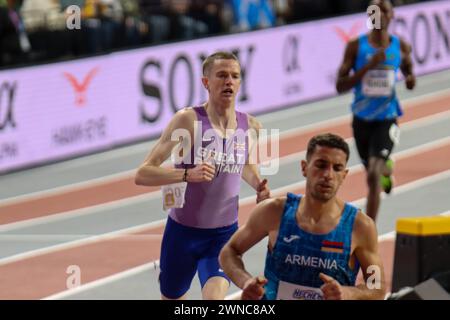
[214,159]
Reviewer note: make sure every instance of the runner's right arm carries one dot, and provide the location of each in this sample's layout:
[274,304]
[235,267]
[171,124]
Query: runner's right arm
[150,173]
[262,222]
[407,65]
[345,80]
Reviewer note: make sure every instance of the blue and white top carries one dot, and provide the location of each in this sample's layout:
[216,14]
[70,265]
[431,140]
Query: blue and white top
[375,96]
[293,266]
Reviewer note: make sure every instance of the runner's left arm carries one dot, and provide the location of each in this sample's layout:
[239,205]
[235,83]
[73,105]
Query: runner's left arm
[250,172]
[406,65]
[366,252]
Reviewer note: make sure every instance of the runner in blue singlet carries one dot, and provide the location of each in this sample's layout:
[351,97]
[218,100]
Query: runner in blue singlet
[316,242]
[375,59]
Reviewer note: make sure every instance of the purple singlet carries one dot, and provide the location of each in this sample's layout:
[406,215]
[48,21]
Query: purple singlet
[214,204]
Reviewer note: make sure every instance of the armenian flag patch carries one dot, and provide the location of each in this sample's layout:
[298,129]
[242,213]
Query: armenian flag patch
[332,246]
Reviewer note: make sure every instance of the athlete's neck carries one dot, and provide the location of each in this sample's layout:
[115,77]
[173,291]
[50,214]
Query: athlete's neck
[224,117]
[315,210]
[379,38]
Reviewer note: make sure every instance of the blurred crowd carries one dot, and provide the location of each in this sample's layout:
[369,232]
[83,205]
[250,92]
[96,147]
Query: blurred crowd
[45,30]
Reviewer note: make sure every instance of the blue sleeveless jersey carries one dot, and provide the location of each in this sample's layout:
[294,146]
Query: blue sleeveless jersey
[375,96]
[298,257]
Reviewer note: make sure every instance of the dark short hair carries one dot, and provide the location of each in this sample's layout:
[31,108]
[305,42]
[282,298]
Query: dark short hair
[329,140]
[387,1]
[220,55]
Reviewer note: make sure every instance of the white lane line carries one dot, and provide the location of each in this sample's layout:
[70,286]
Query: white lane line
[359,167]
[156,194]
[407,126]
[419,183]
[345,99]
[294,157]
[423,148]
[67,188]
[116,204]
[39,237]
[382,238]
[305,109]
[130,173]
[68,245]
[427,120]
[279,191]
[154,265]
[408,103]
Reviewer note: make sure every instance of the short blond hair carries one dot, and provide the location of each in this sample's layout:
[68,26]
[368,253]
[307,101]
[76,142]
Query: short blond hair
[220,55]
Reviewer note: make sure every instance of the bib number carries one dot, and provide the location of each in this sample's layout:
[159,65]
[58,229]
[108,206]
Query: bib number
[378,83]
[289,291]
[173,195]
[394,134]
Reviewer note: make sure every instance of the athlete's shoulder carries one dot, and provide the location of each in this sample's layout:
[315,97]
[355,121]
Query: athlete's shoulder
[269,212]
[253,123]
[404,45]
[348,204]
[354,42]
[184,118]
[273,205]
[351,50]
[187,112]
[364,227]
[279,202]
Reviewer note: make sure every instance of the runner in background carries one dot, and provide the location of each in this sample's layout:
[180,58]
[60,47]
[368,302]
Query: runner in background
[375,59]
[196,230]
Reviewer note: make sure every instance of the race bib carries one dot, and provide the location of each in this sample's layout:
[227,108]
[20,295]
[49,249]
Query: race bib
[378,83]
[173,195]
[394,134]
[289,291]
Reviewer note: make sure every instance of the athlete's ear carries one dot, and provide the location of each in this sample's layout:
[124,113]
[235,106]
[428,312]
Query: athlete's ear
[205,82]
[345,173]
[304,164]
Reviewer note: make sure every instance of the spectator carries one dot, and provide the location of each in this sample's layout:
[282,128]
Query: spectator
[42,15]
[252,14]
[111,15]
[209,12]
[14,43]
[309,9]
[135,28]
[347,6]
[102,21]
[156,17]
[182,25]
[282,12]
[92,24]
[77,41]
[46,26]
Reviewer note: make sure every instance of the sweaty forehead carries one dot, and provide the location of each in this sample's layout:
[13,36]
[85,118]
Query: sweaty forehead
[383,4]
[328,154]
[225,65]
